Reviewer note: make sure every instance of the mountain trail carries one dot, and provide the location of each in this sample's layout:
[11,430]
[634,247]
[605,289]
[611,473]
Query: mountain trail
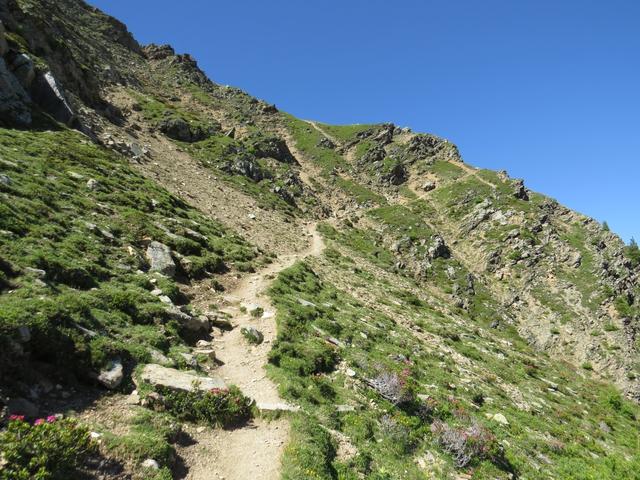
[254,451]
[323,132]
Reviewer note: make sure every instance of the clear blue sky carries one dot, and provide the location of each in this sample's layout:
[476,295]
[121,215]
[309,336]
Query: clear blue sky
[547,89]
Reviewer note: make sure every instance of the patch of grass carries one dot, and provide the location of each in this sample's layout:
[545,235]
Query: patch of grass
[310,452]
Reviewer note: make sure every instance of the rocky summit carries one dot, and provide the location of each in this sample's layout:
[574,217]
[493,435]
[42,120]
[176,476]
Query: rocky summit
[197,285]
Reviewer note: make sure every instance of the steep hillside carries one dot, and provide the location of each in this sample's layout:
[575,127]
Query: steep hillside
[190,276]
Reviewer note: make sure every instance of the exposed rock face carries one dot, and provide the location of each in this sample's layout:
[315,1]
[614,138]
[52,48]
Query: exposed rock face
[14,100]
[158,52]
[397,175]
[438,248]
[271,147]
[159,376]
[159,256]
[519,190]
[48,94]
[23,69]
[179,129]
[246,166]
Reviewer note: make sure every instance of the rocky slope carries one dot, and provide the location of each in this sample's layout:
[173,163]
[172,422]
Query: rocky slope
[458,325]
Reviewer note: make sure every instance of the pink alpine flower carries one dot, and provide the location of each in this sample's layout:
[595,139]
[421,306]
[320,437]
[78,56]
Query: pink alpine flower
[51,419]
[39,421]
[17,418]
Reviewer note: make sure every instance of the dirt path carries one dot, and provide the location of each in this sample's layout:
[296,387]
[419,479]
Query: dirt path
[324,133]
[254,451]
[243,364]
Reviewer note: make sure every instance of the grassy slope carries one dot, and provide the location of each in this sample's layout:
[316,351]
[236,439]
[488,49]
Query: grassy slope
[562,424]
[90,243]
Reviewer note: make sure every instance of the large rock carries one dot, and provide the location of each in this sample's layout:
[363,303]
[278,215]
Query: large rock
[438,248]
[4,47]
[111,376]
[48,93]
[14,101]
[246,166]
[179,129]
[520,191]
[193,324]
[159,256]
[185,381]
[271,147]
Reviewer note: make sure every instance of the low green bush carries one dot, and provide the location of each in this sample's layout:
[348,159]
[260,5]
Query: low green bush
[49,449]
[221,407]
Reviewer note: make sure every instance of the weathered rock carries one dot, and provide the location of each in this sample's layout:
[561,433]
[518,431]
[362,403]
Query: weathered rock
[252,335]
[93,184]
[397,175]
[158,52]
[159,256]
[326,143]
[14,101]
[271,147]
[519,190]
[438,248]
[428,186]
[160,358]
[190,324]
[179,129]
[111,377]
[246,166]
[49,95]
[374,154]
[498,418]
[220,322]
[4,47]
[186,381]
[24,70]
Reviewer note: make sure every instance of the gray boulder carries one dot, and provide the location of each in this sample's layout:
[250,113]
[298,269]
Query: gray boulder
[159,256]
[48,93]
[185,381]
[14,100]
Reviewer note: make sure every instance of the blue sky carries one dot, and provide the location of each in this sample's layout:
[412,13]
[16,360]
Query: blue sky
[548,90]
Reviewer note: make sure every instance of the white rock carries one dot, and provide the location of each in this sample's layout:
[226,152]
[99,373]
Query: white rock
[173,379]
[111,377]
[150,463]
